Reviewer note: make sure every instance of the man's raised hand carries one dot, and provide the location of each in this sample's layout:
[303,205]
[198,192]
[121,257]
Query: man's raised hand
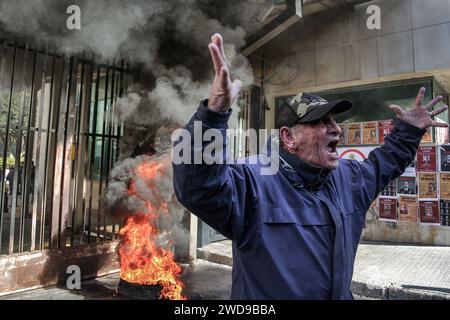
[223,91]
[421,116]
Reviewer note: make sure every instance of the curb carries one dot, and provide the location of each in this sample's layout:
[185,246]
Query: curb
[397,292]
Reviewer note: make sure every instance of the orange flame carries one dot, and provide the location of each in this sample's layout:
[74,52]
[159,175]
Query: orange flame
[142,260]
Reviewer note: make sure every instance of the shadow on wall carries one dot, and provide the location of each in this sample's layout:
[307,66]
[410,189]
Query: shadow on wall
[61,265]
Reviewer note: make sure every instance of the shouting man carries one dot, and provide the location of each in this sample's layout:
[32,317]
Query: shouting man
[295,233]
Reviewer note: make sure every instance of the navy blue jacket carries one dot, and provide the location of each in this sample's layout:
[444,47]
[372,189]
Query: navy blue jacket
[295,233]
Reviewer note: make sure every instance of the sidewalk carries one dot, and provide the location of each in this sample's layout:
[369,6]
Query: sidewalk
[382,271]
[203,281]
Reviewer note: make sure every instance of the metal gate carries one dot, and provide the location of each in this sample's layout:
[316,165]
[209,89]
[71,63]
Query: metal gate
[59,138]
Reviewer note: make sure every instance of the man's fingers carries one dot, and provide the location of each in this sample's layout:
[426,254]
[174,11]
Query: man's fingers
[439,110]
[224,77]
[419,99]
[216,57]
[433,102]
[435,123]
[396,108]
[218,41]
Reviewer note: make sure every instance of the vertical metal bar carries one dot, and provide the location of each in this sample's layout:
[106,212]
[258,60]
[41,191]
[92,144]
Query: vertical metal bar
[77,160]
[92,155]
[46,187]
[83,149]
[114,88]
[122,90]
[102,154]
[64,139]
[58,160]
[26,168]
[3,178]
[38,166]
[7,134]
[110,124]
[38,126]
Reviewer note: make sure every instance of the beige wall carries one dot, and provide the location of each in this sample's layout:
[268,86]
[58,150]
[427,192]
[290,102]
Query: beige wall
[332,48]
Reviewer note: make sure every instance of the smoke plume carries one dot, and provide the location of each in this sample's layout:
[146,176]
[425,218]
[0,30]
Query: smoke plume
[165,43]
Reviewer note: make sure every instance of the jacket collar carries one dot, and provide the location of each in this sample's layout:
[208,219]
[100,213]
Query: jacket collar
[302,173]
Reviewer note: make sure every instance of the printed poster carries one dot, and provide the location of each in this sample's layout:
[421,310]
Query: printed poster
[355,153]
[408,209]
[426,159]
[343,135]
[406,185]
[441,134]
[411,169]
[428,136]
[444,154]
[387,209]
[429,211]
[385,127]
[370,132]
[445,212]
[391,189]
[445,185]
[427,185]
[354,133]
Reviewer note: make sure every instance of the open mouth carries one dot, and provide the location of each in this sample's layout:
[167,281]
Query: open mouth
[331,148]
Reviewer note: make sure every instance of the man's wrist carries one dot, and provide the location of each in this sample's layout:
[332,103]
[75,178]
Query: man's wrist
[212,118]
[215,108]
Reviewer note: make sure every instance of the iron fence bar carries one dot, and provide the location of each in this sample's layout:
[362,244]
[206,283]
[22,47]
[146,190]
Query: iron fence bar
[7,131]
[84,146]
[47,146]
[26,167]
[114,86]
[122,82]
[76,160]
[58,159]
[92,155]
[102,154]
[38,148]
[3,168]
[64,132]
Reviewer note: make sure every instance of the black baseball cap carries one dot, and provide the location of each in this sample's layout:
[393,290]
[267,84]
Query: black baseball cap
[305,108]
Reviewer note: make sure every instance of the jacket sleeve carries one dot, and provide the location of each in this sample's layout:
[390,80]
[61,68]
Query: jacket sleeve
[217,193]
[387,162]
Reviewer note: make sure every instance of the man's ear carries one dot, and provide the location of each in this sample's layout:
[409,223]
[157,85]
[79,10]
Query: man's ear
[288,139]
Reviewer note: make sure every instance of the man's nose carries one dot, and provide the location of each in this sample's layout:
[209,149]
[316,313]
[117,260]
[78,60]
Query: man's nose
[334,128]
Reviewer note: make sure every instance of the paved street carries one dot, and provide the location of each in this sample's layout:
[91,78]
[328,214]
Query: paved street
[382,271]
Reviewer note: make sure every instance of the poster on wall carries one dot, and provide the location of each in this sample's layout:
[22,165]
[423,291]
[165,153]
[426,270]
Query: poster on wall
[391,189]
[343,135]
[428,136]
[354,133]
[407,209]
[406,185]
[427,185]
[411,169]
[441,134]
[385,127]
[445,185]
[429,211]
[355,153]
[444,157]
[445,212]
[426,159]
[370,132]
[387,209]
